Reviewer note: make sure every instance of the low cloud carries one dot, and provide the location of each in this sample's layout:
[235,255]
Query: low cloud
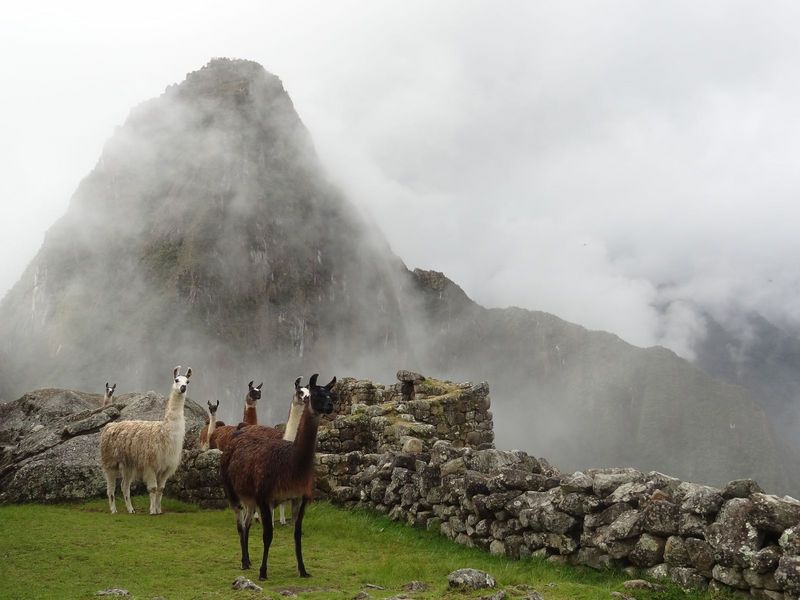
[624,166]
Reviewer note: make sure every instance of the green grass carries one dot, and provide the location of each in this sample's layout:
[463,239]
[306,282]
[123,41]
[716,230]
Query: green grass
[74,550]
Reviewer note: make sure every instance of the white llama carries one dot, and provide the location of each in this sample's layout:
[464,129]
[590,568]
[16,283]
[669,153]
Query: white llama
[148,450]
[107,397]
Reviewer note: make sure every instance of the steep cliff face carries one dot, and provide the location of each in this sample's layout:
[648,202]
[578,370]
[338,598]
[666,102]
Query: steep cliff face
[207,235]
[588,399]
[763,358]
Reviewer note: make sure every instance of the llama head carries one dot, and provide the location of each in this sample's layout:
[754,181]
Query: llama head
[320,396]
[110,390]
[212,408]
[181,381]
[301,393]
[253,394]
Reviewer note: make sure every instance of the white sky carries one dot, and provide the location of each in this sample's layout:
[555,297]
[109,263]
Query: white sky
[589,159]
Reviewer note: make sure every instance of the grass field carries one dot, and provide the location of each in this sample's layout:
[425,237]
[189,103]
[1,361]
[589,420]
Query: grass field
[72,551]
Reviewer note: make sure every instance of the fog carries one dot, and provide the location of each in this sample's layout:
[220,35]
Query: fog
[599,162]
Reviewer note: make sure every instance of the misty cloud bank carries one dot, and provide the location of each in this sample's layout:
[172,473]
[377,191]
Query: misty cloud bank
[626,167]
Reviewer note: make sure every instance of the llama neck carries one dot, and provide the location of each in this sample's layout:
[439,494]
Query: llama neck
[174,413]
[106,399]
[250,416]
[305,442]
[295,413]
[212,425]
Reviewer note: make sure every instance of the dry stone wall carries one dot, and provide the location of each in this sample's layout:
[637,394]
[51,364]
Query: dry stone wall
[377,418]
[737,538]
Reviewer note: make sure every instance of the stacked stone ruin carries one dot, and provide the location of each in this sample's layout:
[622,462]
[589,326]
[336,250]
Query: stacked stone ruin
[421,451]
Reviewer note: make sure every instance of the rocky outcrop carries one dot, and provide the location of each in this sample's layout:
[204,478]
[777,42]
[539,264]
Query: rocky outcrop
[51,441]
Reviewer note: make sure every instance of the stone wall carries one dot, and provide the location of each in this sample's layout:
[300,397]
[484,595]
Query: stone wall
[378,418]
[508,503]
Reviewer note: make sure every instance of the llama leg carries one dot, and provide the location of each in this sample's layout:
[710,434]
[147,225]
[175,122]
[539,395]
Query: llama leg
[243,528]
[267,539]
[127,478]
[248,522]
[152,489]
[298,536]
[161,481]
[111,488]
[295,509]
[283,513]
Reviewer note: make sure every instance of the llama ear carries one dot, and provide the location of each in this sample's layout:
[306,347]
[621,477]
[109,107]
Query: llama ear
[313,381]
[250,385]
[258,387]
[331,384]
[175,372]
[113,387]
[297,383]
[188,372]
[106,385]
[216,406]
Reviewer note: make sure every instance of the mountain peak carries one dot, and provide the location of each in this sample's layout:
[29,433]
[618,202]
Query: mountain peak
[209,235]
[228,77]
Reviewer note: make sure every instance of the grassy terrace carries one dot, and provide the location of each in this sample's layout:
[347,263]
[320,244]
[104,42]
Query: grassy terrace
[73,550]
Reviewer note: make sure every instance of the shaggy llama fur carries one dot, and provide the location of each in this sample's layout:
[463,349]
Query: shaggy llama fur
[148,450]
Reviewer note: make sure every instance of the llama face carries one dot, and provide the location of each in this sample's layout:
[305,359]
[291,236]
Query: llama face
[301,394]
[321,397]
[110,390]
[181,381]
[253,393]
[212,408]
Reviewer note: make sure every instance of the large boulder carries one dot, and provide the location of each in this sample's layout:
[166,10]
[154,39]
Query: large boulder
[734,536]
[51,441]
[775,514]
[39,408]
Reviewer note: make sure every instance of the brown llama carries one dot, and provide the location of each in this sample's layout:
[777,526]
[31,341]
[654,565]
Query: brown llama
[221,436]
[212,423]
[295,412]
[289,432]
[259,472]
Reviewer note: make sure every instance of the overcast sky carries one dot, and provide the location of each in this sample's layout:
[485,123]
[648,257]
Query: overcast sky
[595,160]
